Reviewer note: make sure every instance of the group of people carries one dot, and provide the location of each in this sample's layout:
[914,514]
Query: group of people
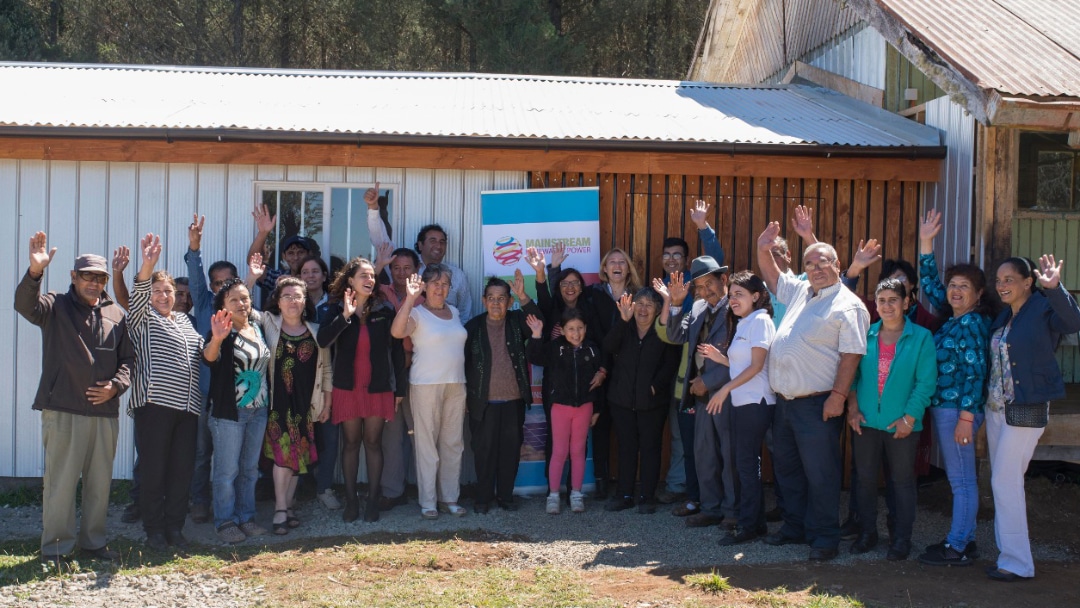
[334,365]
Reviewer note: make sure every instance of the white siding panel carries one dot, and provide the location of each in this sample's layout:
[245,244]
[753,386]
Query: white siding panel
[300,173]
[953,194]
[239,228]
[419,202]
[33,216]
[212,203]
[360,175]
[393,177]
[152,198]
[275,173]
[13,249]
[333,175]
[123,211]
[449,199]
[183,187]
[62,208]
[93,209]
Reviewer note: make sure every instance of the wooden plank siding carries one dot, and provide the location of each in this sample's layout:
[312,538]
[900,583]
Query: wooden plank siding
[1035,236]
[638,211]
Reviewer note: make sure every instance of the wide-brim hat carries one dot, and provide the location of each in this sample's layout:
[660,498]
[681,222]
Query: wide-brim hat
[705,265]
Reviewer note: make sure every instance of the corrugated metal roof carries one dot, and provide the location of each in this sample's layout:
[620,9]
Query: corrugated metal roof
[1017,47]
[392,104]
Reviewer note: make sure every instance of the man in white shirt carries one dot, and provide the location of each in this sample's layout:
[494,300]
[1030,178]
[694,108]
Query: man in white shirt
[431,245]
[812,363]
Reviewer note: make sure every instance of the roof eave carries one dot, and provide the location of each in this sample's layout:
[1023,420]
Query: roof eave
[359,140]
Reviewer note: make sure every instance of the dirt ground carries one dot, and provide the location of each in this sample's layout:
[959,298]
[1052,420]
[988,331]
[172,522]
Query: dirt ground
[1054,511]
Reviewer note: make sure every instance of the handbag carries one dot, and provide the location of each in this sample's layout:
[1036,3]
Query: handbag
[1029,415]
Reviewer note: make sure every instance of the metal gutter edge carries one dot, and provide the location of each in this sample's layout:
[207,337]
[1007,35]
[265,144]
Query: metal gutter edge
[240,136]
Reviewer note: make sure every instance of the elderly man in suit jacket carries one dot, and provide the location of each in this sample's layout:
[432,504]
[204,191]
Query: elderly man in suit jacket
[706,323]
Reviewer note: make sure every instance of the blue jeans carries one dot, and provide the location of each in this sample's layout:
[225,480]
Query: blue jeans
[327,435]
[960,468]
[237,445]
[806,461]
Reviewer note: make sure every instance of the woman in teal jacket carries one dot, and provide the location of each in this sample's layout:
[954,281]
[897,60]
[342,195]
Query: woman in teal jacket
[892,388]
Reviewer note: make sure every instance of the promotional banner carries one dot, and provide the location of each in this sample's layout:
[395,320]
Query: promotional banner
[513,221]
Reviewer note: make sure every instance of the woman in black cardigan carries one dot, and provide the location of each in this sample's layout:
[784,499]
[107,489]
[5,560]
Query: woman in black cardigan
[497,389]
[369,376]
[638,396]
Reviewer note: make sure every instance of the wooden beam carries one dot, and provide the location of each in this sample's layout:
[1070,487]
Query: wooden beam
[836,82]
[999,164]
[492,159]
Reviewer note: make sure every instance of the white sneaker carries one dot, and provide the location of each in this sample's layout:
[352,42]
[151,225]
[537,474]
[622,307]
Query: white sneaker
[553,504]
[577,502]
[328,500]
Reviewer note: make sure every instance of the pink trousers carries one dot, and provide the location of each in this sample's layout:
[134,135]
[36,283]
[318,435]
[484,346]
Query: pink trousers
[569,437]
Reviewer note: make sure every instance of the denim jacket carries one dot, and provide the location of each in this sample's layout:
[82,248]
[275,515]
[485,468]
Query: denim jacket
[1032,340]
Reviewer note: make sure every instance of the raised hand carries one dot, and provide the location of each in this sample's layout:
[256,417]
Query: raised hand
[536,325]
[348,303]
[384,256]
[699,214]
[518,286]
[930,226]
[535,258]
[558,254]
[264,222]
[768,236]
[194,231]
[120,258]
[40,255]
[150,248]
[256,268]
[659,287]
[802,222]
[414,286]
[678,288]
[1050,274]
[371,197]
[626,307]
[867,254]
[221,325]
[712,353]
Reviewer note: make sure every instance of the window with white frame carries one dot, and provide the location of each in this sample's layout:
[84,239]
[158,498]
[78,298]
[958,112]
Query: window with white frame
[334,216]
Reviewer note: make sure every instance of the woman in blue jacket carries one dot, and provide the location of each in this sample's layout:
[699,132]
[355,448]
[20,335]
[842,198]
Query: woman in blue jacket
[892,388]
[1023,374]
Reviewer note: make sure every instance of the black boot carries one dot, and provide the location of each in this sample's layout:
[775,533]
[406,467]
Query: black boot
[351,512]
[371,510]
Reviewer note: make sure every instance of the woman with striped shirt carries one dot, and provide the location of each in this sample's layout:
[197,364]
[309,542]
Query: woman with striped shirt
[165,400]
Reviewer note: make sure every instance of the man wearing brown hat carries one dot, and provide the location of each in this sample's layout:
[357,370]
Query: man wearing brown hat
[86,363]
[706,323]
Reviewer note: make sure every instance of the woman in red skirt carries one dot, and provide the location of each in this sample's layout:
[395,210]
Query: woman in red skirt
[369,376]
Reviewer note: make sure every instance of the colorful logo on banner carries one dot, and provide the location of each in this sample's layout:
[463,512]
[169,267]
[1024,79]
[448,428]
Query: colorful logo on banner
[507,251]
[514,221]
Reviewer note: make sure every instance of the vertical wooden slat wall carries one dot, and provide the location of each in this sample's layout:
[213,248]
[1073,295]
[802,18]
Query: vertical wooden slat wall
[638,211]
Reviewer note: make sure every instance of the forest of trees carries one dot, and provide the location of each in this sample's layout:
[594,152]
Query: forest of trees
[618,38]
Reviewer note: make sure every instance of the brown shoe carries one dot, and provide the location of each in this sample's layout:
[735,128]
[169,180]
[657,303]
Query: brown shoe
[686,509]
[703,520]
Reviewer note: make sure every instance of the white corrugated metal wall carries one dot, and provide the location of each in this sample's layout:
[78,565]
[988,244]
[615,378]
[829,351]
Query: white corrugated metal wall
[952,195]
[859,54]
[94,207]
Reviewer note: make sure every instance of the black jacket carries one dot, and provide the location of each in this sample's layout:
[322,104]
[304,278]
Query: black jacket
[644,368]
[387,354]
[567,370]
[478,357]
[223,373]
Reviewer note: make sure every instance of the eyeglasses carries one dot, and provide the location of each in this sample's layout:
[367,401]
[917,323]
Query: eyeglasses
[569,284]
[93,277]
[823,264]
[497,299]
[672,256]
[292,298]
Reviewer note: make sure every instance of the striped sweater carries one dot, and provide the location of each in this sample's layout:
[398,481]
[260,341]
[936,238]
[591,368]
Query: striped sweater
[167,356]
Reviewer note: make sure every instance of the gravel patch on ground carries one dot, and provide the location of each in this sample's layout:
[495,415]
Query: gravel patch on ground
[93,590]
[594,539]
